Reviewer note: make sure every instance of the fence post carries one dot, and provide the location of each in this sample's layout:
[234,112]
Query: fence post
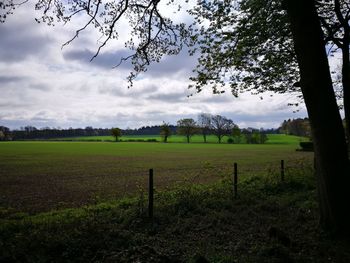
[150,194]
[282,170]
[235,180]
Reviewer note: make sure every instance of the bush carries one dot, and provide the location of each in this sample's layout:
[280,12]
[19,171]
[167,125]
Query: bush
[306,146]
[230,140]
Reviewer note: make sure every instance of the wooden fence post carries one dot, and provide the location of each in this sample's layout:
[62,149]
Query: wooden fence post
[235,180]
[150,194]
[282,170]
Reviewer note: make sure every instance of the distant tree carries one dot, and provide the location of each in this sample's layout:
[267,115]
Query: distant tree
[116,132]
[236,134]
[30,128]
[254,136]
[297,127]
[263,137]
[165,131]
[248,135]
[221,126]
[5,134]
[2,136]
[187,127]
[204,123]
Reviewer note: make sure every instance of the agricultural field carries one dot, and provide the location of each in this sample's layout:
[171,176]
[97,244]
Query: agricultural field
[41,176]
[272,138]
[87,201]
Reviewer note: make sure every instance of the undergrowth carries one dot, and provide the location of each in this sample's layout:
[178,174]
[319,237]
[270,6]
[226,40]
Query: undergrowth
[270,221]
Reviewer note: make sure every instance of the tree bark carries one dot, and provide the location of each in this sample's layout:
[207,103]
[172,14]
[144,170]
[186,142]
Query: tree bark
[332,164]
[344,45]
[346,82]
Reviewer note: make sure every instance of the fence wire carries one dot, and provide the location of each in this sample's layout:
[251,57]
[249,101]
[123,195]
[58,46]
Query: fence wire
[46,193]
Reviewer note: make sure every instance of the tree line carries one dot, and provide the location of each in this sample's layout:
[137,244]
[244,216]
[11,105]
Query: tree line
[297,127]
[31,132]
[206,125]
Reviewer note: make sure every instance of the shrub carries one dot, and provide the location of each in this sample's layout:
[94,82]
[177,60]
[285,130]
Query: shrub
[230,140]
[306,146]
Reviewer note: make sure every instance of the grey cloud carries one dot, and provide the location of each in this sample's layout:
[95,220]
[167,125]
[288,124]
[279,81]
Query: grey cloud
[22,83]
[149,89]
[10,79]
[270,119]
[169,97]
[106,60]
[114,91]
[42,120]
[19,40]
[170,66]
[41,87]
[12,105]
[218,99]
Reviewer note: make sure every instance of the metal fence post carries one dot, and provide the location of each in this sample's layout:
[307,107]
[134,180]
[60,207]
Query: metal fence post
[150,194]
[235,180]
[282,170]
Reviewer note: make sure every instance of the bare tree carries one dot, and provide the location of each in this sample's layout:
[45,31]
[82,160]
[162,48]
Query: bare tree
[165,131]
[187,127]
[204,123]
[221,126]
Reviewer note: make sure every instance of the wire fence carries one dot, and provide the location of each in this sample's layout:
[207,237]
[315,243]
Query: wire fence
[46,193]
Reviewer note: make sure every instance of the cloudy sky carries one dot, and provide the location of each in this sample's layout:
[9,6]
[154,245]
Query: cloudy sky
[43,85]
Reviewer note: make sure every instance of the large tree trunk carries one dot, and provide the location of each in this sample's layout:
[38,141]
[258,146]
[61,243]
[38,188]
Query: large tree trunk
[327,130]
[346,66]
[346,82]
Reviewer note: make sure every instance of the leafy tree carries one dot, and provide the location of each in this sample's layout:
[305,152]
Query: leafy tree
[298,127]
[332,163]
[335,20]
[262,138]
[165,131]
[261,45]
[221,126]
[254,51]
[236,134]
[5,134]
[116,132]
[2,136]
[204,124]
[187,127]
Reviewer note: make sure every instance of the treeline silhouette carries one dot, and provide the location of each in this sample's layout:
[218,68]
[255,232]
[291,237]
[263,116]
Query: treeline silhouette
[31,132]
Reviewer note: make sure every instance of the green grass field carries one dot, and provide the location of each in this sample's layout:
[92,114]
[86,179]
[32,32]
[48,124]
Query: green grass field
[272,138]
[40,176]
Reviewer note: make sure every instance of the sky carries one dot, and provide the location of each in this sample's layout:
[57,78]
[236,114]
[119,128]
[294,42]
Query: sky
[43,85]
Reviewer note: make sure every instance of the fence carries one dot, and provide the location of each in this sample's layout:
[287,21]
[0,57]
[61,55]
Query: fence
[43,193]
[234,184]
